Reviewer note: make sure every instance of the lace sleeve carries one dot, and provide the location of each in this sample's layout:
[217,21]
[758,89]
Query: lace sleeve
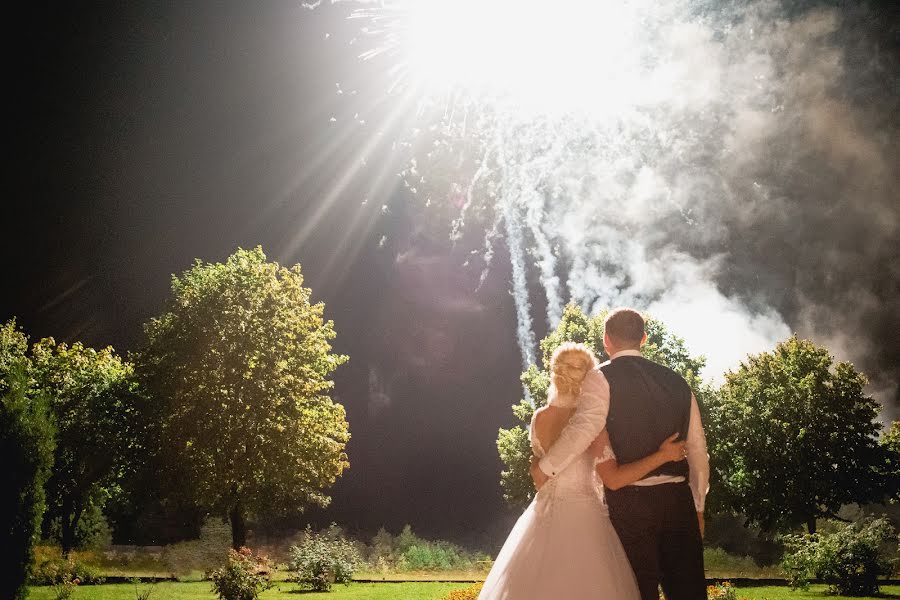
[606,454]
[601,448]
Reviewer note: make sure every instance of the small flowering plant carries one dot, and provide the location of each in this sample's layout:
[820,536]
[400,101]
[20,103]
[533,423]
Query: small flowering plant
[243,577]
[65,587]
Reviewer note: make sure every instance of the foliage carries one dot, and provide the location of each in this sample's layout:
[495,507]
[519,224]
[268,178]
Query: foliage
[243,577]
[26,445]
[408,552]
[323,558]
[719,562]
[56,570]
[515,451]
[849,560]
[141,593]
[793,438]
[241,360]
[721,591]
[469,593]
[890,442]
[91,395]
[65,588]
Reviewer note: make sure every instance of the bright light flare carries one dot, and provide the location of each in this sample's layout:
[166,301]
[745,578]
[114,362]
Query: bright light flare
[548,55]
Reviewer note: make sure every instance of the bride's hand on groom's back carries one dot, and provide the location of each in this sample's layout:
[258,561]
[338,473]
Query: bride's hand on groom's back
[673,450]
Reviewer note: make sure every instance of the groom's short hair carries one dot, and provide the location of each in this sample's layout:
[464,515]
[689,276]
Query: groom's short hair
[625,325]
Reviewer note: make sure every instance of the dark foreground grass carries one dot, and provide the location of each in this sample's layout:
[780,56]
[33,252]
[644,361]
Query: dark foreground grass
[284,591]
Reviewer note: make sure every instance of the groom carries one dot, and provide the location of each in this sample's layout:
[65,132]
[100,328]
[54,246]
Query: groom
[659,519]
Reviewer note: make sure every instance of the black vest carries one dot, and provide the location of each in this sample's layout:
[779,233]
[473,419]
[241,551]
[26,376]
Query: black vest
[648,403]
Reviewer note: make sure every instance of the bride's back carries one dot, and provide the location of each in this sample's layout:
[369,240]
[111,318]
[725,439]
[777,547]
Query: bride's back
[549,421]
[576,481]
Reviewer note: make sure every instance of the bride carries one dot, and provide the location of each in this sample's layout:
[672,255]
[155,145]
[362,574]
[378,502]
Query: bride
[564,545]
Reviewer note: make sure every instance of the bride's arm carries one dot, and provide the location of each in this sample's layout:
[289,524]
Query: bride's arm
[615,476]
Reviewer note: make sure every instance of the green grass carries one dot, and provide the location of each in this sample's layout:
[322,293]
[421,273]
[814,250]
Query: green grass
[284,591]
[381,591]
[815,591]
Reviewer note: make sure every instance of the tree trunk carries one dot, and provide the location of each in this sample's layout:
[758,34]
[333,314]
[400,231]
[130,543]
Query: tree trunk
[67,535]
[811,525]
[68,524]
[238,527]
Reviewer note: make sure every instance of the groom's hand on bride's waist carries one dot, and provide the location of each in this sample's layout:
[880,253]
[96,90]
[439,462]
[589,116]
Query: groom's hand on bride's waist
[537,476]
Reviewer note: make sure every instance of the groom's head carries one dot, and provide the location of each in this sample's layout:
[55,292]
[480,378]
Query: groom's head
[624,331]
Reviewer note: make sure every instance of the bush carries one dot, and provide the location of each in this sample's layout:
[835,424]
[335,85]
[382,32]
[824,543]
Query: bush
[849,560]
[64,589]
[56,571]
[409,552]
[321,559]
[141,593]
[720,562]
[469,593]
[243,577]
[721,591]
[433,556]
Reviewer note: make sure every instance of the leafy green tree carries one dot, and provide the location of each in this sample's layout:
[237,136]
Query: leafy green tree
[91,395]
[515,451]
[26,445]
[241,362]
[890,442]
[795,437]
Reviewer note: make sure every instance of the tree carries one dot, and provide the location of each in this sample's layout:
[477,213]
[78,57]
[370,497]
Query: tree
[91,399]
[26,445]
[240,363]
[513,445]
[890,443]
[795,437]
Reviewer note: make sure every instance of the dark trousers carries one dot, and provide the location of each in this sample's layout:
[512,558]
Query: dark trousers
[659,531]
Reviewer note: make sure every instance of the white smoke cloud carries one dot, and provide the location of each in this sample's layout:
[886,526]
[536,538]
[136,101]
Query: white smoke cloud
[737,133]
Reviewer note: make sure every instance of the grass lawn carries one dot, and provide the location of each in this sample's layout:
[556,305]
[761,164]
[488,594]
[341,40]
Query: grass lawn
[380,591]
[284,591]
[815,591]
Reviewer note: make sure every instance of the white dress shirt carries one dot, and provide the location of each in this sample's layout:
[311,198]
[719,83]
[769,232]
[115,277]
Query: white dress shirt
[590,419]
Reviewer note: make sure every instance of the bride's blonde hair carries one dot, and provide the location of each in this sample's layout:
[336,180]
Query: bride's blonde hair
[569,364]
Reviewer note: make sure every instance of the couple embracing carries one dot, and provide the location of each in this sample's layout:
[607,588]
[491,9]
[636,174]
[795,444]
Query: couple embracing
[622,472]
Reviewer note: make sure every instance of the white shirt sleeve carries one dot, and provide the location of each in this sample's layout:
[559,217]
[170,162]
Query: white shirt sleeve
[697,457]
[583,427]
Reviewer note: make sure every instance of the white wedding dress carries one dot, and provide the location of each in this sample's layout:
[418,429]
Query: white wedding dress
[563,547]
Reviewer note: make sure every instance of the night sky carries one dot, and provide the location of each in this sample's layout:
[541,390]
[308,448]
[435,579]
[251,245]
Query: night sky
[146,135]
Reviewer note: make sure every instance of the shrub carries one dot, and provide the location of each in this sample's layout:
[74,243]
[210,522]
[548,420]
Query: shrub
[243,577]
[321,559]
[65,588]
[469,593]
[139,592]
[428,556]
[56,570]
[721,591]
[407,551]
[848,560]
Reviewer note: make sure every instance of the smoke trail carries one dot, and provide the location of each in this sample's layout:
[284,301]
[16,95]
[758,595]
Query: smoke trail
[516,244]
